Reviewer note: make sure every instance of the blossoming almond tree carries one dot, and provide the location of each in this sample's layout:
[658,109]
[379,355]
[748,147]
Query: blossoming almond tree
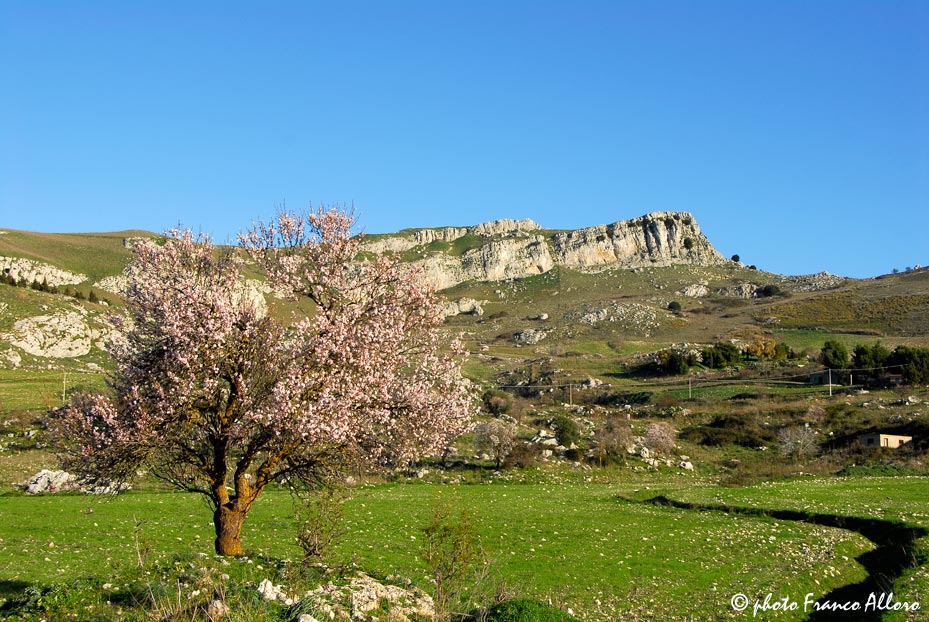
[216,398]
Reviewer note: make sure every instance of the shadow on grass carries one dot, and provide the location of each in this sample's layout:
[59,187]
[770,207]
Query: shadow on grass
[896,553]
[11,588]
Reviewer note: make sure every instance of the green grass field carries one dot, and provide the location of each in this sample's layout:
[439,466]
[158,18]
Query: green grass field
[576,543]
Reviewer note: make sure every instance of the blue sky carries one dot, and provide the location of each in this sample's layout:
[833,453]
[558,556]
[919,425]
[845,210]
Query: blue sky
[797,133]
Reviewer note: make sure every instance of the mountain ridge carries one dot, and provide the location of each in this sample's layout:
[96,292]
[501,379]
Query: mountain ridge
[507,249]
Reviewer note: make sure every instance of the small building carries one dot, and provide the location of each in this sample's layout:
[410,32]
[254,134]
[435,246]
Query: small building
[892,441]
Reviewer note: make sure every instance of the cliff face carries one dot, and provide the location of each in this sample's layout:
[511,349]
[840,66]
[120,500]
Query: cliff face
[508,249]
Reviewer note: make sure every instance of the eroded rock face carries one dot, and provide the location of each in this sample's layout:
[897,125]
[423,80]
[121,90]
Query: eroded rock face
[38,271]
[61,335]
[512,249]
[660,238]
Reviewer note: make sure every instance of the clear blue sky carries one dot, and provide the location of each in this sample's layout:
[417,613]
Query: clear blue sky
[796,132]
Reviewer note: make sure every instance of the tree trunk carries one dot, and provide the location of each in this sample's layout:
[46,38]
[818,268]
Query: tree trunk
[228,519]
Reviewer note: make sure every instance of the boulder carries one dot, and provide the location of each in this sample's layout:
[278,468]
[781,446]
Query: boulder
[46,481]
[529,336]
[463,306]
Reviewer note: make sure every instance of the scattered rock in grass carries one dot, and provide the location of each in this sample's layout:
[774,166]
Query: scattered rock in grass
[47,482]
[274,593]
[529,336]
[216,609]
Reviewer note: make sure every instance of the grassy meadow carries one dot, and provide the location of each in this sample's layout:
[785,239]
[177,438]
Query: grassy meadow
[583,545]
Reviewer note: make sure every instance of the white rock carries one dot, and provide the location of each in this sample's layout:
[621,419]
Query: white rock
[18,267]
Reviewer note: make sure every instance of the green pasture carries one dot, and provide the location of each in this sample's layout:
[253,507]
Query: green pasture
[902,499]
[576,543]
[41,390]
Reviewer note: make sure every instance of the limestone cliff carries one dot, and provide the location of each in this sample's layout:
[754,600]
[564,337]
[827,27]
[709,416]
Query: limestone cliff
[509,249]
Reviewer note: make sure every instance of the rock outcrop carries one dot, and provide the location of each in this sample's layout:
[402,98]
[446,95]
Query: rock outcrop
[61,335]
[18,268]
[511,249]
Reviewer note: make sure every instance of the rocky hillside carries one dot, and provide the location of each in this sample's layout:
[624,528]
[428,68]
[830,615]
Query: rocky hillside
[513,249]
[637,284]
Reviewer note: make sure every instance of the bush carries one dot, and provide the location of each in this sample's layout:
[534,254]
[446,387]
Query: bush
[736,258]
[674,306]
[322,523]
[565,428]
[722,355]
[497,402]
[742,430]
[451,552]
[526,610]
[797,442]
[673,363]
[688,243]
[523,456]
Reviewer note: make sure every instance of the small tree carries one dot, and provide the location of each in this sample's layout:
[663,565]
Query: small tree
[797,442]
[452,552]
[321,523]
[495,437]
[612,439]
[673,362]
[660,437]
[834,355]
[215,398]
[674,306]
[736,258]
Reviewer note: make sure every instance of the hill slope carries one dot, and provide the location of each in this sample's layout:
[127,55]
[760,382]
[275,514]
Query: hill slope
[518,292]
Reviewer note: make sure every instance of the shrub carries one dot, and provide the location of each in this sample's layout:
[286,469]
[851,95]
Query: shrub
[674,306]
[523,456]
[769,290]
[743,430]
[565,428]
[673,362]
[722,355]
[497,402]
[688,243]
[736,258]
[451,552]
[322,523]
